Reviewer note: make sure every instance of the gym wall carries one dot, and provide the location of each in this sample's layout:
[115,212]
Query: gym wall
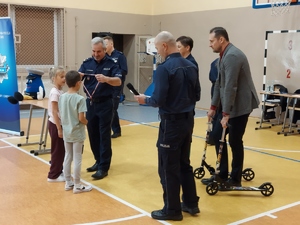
[246,27]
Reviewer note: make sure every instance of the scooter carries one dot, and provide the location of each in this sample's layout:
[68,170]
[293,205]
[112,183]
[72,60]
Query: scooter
[248,174]
[218,184]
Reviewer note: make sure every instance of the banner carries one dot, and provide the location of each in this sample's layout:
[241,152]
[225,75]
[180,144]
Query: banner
[9,113]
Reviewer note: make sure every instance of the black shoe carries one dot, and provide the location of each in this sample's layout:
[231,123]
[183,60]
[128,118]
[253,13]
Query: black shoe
[93,168]
[206,181]
[115,135]
[192,210]
[232,183]
[160,215]
[100,174]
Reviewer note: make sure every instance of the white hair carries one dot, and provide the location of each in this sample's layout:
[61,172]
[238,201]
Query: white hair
[97,40]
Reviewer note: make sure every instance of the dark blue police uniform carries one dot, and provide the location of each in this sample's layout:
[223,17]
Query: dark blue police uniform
[192,59]
[213,74]
[99,107]
[177,88]
[119,58]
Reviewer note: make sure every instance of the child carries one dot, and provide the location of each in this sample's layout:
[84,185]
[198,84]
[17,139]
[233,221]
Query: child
[57,76]
[72,107]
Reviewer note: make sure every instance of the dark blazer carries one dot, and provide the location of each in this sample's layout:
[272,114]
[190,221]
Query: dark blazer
[234,88]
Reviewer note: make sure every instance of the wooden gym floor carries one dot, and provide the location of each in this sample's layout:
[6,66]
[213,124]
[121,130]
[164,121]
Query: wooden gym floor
[132,189]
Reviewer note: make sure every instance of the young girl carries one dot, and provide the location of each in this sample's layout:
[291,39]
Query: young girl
[57,76]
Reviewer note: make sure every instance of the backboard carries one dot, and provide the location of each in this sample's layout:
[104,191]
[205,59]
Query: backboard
[151,50]
[257,4]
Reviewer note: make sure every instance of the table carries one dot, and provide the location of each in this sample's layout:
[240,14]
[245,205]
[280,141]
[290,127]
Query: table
[289,97]
[43,104]
[293,108]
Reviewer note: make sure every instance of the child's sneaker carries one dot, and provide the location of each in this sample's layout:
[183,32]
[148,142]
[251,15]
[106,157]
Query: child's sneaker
[69,185]
[81,188]
[60,178]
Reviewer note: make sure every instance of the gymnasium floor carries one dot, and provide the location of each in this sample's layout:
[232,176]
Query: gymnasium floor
[132,189]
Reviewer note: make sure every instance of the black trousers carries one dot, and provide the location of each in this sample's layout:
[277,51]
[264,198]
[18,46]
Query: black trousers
[99,116]
[115,123]
[236,132]
[175,171]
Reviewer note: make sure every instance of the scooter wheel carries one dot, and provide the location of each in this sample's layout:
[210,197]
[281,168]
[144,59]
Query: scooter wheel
[248,174]
[268,189]
[212,188]
[199,172]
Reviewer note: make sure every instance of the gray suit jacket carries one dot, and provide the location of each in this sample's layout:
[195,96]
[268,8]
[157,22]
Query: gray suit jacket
[234,88]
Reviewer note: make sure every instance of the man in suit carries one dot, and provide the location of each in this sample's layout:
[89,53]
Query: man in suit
[236,97]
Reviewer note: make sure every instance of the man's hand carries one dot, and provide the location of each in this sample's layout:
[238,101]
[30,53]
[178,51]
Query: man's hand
[140,98]
[101,78]
[81,74]
[224,121]
[210,114]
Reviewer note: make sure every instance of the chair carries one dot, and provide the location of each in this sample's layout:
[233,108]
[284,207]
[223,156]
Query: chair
[273,102]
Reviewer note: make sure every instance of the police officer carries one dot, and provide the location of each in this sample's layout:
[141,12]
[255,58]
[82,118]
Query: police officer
[100,74]
[177,88]
[185,45]
[120,59]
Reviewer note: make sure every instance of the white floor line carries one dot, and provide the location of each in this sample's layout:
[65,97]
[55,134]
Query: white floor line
[143,213]
[268,213]
[113,221]
[8,146]
[272,150]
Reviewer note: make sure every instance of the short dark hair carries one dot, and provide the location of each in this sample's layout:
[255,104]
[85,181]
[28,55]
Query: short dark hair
[186,41]
[108,38]
[72,77]
[220,32]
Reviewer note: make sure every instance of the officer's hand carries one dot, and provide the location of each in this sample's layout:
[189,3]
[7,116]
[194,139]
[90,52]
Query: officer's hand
[81,74]
[140,98]
[101,78]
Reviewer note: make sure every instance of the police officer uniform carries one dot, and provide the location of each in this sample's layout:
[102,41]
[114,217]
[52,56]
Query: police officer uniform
[177,88]
[119,58]
[192,59]
[99,109]
[34,83]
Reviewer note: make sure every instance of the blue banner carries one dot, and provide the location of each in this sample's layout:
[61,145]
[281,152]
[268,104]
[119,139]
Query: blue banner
[10,113]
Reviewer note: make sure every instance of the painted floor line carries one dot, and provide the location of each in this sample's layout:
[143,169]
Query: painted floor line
[265,213]
[113,221]
[94,187]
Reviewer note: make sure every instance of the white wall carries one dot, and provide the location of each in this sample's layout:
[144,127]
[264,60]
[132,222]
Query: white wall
[170,6]
[145,7]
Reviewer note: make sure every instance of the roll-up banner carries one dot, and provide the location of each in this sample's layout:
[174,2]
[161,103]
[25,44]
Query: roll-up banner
[9,113]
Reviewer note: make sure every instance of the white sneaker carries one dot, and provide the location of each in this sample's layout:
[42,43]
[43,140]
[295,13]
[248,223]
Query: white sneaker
[69,185]
[59,179]
[81,188]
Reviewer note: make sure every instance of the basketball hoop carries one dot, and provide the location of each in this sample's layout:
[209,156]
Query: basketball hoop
[280,7]
[158,58]
[142,57]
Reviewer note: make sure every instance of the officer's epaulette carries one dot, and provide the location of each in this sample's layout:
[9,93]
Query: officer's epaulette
[109,58]
[88,59]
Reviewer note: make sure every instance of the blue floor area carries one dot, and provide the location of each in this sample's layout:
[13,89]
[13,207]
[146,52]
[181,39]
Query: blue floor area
[134,112]
[130,111]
